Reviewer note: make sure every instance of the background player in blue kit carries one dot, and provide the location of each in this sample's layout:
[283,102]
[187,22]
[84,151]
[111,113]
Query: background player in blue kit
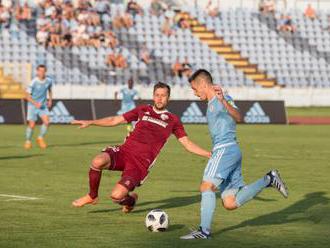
[127,94]
[224,169]
[38,106]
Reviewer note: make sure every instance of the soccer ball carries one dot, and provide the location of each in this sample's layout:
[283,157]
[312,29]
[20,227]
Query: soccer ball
[157,220]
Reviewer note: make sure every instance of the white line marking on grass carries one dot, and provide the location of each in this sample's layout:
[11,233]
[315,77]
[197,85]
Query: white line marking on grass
[19,197]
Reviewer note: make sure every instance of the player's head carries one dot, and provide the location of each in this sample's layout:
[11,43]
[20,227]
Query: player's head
[161,95]
[201,82]
[130,83]
[41,71]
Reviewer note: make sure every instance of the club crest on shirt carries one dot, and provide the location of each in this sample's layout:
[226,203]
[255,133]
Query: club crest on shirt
[147,113]
[211,108]
[164,117]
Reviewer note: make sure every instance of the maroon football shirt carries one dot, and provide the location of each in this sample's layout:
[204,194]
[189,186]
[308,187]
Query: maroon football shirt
[151,132]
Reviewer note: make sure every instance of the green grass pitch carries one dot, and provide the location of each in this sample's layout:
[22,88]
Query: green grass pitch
[58,175]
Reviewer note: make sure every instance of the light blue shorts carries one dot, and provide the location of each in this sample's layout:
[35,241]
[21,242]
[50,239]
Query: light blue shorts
[125,108]
[33,112]
[224,169]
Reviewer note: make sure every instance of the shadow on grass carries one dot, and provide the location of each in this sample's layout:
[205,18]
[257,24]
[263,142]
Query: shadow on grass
[20,156]
[296,212]
[105,143]
[168,203]
[174,202]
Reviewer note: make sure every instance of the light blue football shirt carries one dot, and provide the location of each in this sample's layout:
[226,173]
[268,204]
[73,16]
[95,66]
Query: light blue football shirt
[128,96]
[39,88]
[222,126]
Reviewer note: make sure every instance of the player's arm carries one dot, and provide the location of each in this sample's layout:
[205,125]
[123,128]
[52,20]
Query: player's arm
[234,112]
[104,122]
[50,98]
[28,96]
[193,148]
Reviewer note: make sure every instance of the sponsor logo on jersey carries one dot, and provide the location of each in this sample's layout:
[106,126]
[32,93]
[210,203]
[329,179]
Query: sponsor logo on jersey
[256,115]
[2,119]
[193,114]
[164,117]
[60,114]
[155,121]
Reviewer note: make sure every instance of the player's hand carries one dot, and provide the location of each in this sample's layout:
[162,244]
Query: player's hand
[83,124]
[37,105]
[219,92]
[49,103]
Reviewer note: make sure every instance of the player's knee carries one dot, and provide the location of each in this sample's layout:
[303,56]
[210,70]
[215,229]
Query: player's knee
[207,186]
[229,203]
[99,162]
[117,196]
[32,124]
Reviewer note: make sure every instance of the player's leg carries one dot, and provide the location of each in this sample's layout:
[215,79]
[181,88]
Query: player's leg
[211,181]
[32,116]
[121,194]
[43,129]
[100,162]
[28,134]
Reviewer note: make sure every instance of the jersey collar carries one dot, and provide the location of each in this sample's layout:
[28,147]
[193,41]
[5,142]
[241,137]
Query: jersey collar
[212,100]
[159,112]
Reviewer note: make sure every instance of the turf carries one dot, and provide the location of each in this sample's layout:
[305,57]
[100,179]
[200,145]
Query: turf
[309,112]
[59,174]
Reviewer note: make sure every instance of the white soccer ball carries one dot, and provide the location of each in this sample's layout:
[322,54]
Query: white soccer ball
[157,220]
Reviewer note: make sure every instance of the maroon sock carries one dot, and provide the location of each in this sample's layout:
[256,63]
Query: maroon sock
[94,182]
[128,201]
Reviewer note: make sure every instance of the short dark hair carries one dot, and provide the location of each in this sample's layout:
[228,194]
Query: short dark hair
[201,73]
[41,66]
[164,86]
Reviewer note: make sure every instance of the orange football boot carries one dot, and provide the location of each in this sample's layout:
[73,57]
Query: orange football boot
[127,209]
[27,145]
[84,200]
[41,142]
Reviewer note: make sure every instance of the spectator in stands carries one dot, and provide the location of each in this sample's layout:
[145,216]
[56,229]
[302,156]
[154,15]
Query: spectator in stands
[168,27]
[4,17]
[116,59]
[24,14]
[134,8]
[310,12]
[157,7]
[186,68]
[55,30]
[110,39]
[177,68]
[285,24]
[183,22]
[212,9]
[145,55]
[122,20]
[267,6]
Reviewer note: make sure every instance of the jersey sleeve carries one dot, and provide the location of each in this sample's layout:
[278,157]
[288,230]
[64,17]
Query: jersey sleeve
[132,115]
[29,89]
[178,129]
[230,100]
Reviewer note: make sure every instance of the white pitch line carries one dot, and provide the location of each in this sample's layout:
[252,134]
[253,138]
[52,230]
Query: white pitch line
[19,197]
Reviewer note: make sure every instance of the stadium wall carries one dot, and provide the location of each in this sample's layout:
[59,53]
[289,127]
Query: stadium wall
[304,97]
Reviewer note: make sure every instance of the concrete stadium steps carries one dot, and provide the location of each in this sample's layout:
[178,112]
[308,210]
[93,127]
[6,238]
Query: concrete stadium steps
[227,51]
[9,88]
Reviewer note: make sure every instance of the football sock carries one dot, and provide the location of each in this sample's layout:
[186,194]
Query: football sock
[128,201]
[28,133]
[43,130]
[207,210]
[94,181]
[248,192]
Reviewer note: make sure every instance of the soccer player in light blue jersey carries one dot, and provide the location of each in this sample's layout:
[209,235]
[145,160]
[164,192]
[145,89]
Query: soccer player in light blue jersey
[128,94]
[224,169]
[38,106]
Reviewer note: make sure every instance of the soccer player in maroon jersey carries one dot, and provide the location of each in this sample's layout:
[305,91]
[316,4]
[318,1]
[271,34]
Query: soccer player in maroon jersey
[136,156]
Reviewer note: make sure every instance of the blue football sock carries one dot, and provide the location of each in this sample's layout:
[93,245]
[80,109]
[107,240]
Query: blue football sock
[207,210]
[43,130]
[248,192]
[28,133]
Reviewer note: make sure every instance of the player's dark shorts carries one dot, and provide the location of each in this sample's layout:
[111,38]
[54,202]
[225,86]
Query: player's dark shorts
[134,169]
